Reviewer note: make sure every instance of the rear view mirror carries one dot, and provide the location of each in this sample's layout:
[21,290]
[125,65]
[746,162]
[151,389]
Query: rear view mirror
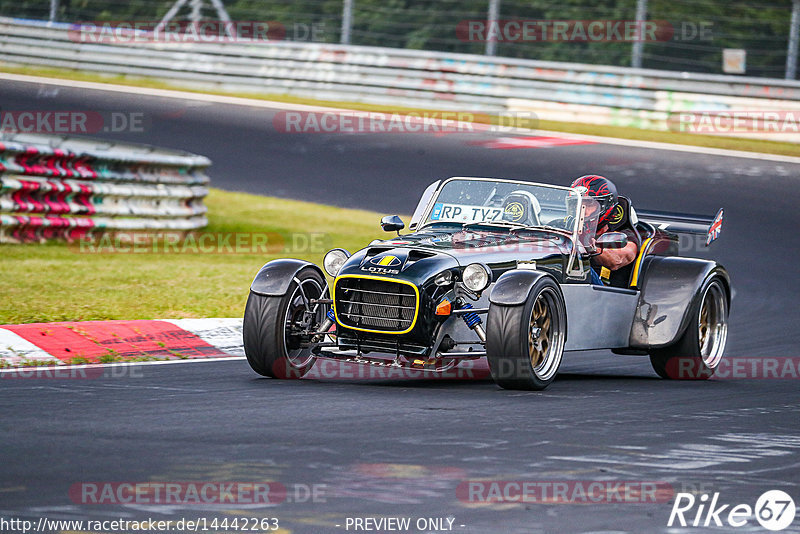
[392,223]
[612,240]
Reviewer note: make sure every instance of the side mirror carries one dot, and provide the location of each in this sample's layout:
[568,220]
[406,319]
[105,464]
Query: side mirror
[392,223]
[612,240]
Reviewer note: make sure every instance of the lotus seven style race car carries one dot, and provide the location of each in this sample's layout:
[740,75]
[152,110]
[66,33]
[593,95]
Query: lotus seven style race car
[497,269]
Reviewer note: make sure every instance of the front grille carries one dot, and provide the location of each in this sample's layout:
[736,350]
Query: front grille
[376,305]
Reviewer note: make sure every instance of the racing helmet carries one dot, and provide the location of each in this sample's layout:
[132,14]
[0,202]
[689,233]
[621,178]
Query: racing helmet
[603,191]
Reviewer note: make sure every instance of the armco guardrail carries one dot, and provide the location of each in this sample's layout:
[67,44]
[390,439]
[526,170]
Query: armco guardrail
[421,79]
[67,188]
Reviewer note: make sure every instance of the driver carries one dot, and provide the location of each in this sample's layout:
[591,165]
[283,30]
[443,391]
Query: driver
[604,192]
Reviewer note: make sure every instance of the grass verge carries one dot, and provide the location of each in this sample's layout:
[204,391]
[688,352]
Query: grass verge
[59,282]
[621,132]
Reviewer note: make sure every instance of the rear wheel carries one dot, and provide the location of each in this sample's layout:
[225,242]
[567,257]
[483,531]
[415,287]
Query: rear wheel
[275,327]
[696,355]
[524,344]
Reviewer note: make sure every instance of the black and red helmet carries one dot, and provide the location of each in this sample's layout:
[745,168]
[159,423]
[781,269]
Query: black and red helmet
[602,190]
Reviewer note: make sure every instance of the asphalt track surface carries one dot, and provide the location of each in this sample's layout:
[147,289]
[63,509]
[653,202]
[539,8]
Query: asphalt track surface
[400,448]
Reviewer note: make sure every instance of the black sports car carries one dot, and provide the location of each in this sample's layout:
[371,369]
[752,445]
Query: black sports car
[497,269]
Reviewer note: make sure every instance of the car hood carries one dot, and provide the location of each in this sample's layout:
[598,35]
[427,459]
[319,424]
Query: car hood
[425,254]
[405,262]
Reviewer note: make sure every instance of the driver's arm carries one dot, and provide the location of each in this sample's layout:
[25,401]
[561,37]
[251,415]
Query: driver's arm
[617,258]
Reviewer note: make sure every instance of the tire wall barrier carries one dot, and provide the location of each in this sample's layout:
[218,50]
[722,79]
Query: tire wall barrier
[571,92]
[67,188]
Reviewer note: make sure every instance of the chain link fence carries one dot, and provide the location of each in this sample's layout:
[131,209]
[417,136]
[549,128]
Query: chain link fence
[705,36]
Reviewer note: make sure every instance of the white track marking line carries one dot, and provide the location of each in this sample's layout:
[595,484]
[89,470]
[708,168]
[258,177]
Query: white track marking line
[239,101]
[166,93]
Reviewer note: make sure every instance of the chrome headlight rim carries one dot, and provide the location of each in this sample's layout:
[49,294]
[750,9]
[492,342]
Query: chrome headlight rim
[334,260]
[476,277]
[443,279]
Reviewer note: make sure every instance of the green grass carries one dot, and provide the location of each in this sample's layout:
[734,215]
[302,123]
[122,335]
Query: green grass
[58,282]
[622,132]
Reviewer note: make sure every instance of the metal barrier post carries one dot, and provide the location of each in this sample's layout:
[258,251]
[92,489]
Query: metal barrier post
[638,45]
[794,37]
[491,23]
[347,21]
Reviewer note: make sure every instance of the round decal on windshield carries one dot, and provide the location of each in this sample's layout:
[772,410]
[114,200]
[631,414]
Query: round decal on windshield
[515,211]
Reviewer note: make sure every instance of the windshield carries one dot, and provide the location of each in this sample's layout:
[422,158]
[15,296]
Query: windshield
[475,201]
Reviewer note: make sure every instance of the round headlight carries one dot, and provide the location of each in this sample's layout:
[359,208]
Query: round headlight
[334,259]
[476,277]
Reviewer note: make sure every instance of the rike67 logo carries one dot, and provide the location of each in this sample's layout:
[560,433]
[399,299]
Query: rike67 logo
[774,510]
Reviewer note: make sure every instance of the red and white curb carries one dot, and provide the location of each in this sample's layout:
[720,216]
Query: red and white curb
[96,341]
[94,349]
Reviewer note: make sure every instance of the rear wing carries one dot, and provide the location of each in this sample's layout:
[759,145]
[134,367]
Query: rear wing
[680,223]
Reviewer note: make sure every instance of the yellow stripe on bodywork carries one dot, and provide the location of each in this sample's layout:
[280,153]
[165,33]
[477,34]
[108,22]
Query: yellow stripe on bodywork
[639,261]
[387,260]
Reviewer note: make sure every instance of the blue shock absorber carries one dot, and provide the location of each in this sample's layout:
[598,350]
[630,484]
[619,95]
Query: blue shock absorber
[472,319]
[330,315]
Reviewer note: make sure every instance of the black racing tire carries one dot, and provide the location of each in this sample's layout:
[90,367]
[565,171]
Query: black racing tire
[268,348]
[698,352]
[520,357]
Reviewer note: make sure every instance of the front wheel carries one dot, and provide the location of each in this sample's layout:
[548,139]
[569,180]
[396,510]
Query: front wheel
[276,328]
[524,344]
[696,355]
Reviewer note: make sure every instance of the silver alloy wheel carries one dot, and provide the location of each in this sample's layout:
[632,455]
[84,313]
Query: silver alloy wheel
[545,335]
[712,325]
